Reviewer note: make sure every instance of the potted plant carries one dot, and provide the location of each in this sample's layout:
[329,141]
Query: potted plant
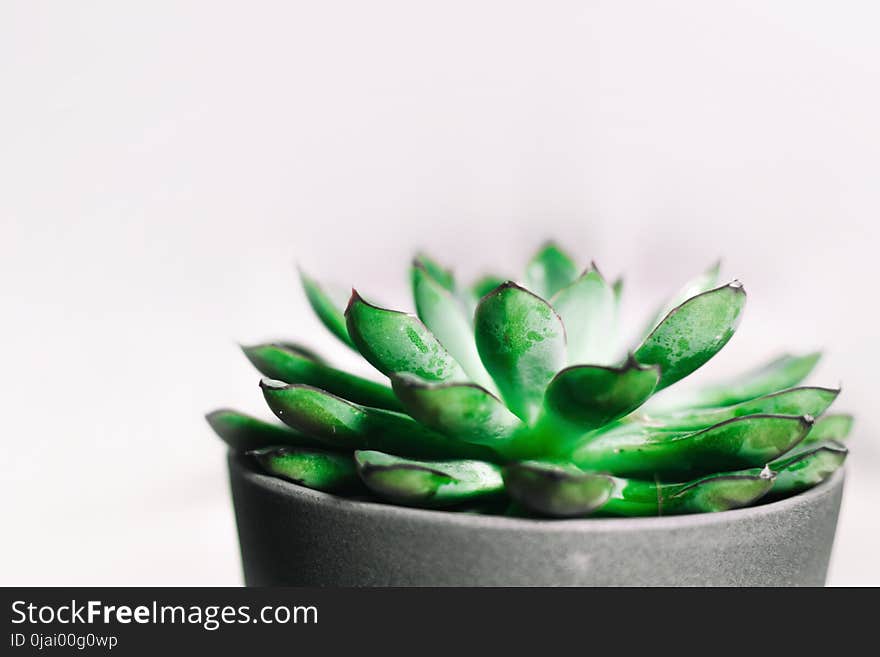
[515,445]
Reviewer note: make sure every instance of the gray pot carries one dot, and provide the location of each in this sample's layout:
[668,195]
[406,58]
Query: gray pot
[295,536]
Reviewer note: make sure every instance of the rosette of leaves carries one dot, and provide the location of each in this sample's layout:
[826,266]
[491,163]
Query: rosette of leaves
[516,397]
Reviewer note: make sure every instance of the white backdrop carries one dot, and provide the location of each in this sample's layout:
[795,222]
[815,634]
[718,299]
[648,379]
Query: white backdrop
[164,164]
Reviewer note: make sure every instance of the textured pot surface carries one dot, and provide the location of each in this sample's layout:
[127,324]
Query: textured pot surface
[294,536]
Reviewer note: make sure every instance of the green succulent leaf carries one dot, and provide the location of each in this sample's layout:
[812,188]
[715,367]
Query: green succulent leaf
[460,410]
[439,274]
[428,483]
[716,492]
[805,466]
[319,469]
[812,401]
[443,315]
[317,413]
[550,270]
[697,285]
[343,425]
[834,426]
[693,332]
[396,343]
[786,371]
[485,285]
[283,364]
[591,396]
[556,490]
[328,305]
[636,450]
[589,312]
[565,491]
[244,433]
[521,341]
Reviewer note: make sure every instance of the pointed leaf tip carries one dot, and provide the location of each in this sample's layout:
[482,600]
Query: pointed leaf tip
[353,298]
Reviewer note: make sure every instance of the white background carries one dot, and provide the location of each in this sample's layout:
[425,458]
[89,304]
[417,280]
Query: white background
[163,165]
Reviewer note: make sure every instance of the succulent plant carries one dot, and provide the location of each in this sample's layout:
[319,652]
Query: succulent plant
[516,398]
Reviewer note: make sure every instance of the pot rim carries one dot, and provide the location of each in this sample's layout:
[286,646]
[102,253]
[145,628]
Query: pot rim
[404,513]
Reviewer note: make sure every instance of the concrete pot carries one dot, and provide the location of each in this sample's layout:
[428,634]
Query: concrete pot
[294,536]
